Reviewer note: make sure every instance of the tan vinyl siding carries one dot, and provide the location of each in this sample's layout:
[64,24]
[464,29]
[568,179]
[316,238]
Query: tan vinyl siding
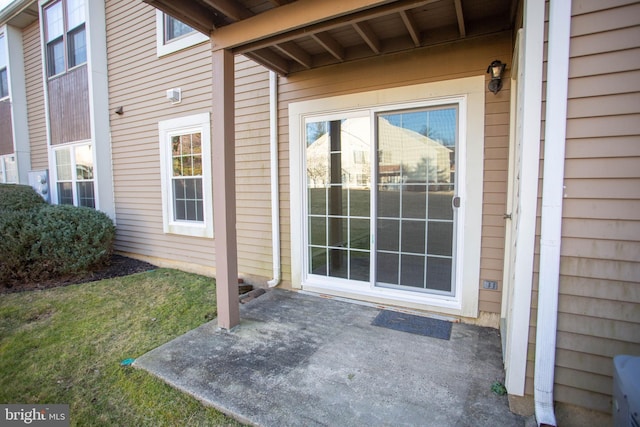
[496,166]
[138,81]
[599,302]
[253,189]
[462,59]
[35,96]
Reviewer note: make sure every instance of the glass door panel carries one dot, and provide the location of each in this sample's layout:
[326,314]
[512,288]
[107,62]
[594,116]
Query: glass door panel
[339,198]
[415,225]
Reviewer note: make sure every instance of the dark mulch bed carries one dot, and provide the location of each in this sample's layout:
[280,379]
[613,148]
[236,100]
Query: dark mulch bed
[118,267]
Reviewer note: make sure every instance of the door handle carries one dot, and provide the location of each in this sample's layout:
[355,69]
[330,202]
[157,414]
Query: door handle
[455,202]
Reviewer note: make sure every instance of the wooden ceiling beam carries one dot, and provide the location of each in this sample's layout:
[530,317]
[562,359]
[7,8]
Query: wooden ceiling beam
[460,16]
[270,60]
[304,17]
[231,35]
[191,13]
[412,27]
[230,8]
[295,52]
[330,45]
[368,35]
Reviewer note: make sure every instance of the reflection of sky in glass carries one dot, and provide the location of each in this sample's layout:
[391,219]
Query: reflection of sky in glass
[84,162]
[439,125]
[3,53]
[4,3]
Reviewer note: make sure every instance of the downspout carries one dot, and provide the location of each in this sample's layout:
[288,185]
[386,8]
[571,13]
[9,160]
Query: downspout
[275,194]
[551,217]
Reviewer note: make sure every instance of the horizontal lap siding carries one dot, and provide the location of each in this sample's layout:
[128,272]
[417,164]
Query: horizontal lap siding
[455,61]
[35,96]
[138,80]
[253,169]
[599,301]
[496,170]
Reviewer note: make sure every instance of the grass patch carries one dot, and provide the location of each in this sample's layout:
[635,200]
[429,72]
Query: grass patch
[65,345]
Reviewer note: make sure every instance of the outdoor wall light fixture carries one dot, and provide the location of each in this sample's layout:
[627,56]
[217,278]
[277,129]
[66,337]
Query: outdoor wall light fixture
[119,111]
[496,69]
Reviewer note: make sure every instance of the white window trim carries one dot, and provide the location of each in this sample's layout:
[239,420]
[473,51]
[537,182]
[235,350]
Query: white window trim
[45,4]
[469,93]
[3,40]
[54,172]
[178,126]
[4,177]
[178,44]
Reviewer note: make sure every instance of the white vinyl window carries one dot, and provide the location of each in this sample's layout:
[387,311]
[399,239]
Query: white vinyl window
[173,35]
[4,78]
[8,169]
[65,35]
[185,159]
[74,175]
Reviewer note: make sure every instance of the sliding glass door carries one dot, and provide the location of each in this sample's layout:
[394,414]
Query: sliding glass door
[380,196]
[415,228]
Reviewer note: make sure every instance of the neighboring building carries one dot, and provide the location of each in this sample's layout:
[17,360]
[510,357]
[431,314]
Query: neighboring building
[58,110]
[12,104]
[354,149]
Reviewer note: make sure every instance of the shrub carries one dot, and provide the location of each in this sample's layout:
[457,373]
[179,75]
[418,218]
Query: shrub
[19,197]
[18,233]
[53,241]
[73,240]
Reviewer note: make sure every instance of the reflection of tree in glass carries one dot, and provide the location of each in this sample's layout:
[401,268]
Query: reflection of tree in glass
[429,170]
[187,155]
[315,130]
[436,136]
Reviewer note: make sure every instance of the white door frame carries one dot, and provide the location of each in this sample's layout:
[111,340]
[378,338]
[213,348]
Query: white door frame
[528,132]
[472,90]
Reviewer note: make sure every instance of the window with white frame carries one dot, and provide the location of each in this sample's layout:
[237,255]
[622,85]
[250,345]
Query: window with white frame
[8,169]
[65,35]
[185,159]
[173,35]
[74,177]
[4,78]
[174,28]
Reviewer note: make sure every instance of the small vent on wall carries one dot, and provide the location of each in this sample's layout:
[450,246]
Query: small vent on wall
[174,95]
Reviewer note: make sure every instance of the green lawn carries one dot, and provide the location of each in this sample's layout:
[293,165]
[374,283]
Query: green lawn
[65,345]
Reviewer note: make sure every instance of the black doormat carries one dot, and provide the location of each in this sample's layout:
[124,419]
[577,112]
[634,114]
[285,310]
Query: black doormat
[413,324]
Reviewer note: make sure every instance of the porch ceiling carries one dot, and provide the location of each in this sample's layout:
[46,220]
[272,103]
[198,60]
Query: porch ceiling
[288,36]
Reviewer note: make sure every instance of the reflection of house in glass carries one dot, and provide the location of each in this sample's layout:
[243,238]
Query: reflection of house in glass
[404,156]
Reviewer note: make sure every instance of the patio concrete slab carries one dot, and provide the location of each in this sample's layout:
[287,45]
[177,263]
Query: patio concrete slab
[302,360]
